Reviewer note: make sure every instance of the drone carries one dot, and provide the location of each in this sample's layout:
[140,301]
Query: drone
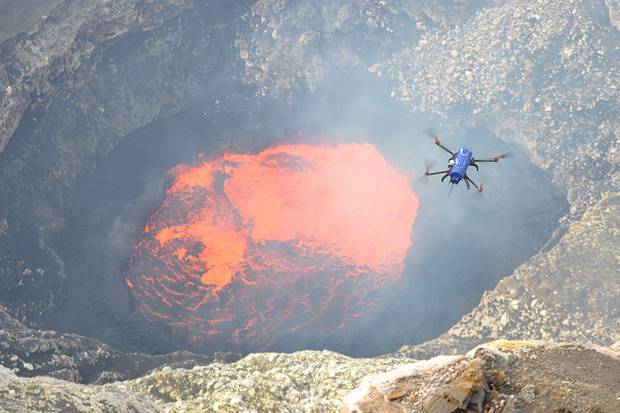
[458,164]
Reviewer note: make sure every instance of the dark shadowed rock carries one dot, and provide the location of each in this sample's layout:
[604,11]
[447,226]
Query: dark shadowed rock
[27,352]
[569,293]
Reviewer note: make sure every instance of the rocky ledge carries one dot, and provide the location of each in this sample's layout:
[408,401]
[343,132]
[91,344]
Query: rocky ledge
[501,376]
[27,352]
[46,394]
[305,381]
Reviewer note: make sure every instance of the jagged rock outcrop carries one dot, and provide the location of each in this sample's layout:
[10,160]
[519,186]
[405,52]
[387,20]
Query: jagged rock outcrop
[27,352]
[312,381]
[569,293]
[501,376]
[75,36]
[45,394]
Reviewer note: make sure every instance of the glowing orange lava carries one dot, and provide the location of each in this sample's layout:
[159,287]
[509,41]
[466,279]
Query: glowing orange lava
[250,248]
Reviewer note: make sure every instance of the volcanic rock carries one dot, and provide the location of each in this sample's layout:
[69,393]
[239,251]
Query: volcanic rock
[501,376]
[479,71]
[69,126]
[541,74]
[21,16]
[262,382]
[62,45]
[27,352]
[292,46]
[504,70]
[569,293]
[45,394]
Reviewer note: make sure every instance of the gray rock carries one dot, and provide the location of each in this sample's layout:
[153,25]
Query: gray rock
[45,394]
[19,16]
[575,283]
[79,359]
[98,103]
[282,61]
[500,377]
[504,70]
[613,7]
[308,381]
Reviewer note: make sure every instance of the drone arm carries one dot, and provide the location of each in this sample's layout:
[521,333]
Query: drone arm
[479,188]
[438,143]
[427,173]
[496,159]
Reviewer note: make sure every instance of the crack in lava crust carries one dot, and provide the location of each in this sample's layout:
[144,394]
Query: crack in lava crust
[249,248]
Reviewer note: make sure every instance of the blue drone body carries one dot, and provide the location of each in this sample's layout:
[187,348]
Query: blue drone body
[458,164]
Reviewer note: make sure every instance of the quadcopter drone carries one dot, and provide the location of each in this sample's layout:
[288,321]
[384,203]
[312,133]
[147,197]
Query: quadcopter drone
[458,164]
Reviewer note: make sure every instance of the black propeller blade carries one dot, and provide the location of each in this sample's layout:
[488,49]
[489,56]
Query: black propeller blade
[483,181]
[428,164]
[508,154]
[431,132]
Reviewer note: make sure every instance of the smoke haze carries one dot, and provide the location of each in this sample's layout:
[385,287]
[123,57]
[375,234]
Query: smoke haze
[462,244]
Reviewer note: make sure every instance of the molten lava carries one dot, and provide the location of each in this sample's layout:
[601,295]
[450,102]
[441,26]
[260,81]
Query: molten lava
[251,248]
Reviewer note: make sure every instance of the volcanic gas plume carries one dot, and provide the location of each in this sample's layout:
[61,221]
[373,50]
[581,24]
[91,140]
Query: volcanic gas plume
[248,248]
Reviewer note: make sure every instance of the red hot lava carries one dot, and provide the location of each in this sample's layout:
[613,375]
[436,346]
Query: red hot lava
[249,248]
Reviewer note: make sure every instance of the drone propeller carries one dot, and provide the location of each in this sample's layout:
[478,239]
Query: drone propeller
[505,155]
[483,182]
[428,165]
[432,133]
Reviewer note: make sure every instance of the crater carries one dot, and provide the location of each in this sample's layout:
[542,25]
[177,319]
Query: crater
[462,243]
